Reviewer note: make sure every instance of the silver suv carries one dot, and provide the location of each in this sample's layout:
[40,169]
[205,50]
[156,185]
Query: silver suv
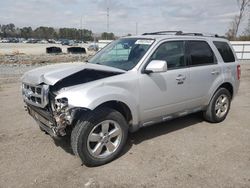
[132,83]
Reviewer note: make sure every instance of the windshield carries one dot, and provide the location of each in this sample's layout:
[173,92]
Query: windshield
[123,53]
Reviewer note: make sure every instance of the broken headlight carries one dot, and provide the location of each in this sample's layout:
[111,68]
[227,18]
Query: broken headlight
[61,104]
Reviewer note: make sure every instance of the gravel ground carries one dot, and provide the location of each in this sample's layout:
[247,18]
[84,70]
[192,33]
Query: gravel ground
[186,152]
[42,59]
[11,73]
[12,67]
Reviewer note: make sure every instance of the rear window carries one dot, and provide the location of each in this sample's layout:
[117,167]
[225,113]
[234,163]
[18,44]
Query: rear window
[200,53]
[225,51]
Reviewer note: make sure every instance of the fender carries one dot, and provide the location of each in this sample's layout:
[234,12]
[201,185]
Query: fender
[217,83]
[94,97]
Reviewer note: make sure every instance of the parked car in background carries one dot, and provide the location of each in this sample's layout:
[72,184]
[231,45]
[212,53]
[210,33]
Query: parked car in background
[13,40]
[67,42]
[93,47]
[32,41]
[43,41]
[4,40]
[51,41]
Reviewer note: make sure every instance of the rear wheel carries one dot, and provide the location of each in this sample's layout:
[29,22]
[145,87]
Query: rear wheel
[99,138]
[218,107]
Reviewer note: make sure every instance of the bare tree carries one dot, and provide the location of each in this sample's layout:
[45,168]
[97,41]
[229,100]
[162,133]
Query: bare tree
[242,5]
[234,27]
[231,33]
[247,30]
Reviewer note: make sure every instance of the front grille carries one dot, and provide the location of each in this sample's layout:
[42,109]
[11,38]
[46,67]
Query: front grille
[35,95]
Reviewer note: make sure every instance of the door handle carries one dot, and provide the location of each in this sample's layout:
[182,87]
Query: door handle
[180,77]
[215,72]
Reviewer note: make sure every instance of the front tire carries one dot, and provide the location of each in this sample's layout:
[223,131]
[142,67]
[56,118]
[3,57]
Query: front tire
[99,137]
[218,107]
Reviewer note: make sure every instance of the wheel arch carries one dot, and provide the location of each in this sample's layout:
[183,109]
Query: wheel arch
[225,85]
[120,107]
[209,112]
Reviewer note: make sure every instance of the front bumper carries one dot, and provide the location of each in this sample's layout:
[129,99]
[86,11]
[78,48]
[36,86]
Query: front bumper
[44,119]
[54,123]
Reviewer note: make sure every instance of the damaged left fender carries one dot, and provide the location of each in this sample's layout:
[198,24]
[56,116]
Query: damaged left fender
[94,97]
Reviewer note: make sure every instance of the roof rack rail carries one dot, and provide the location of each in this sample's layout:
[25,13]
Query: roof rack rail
[164,33]
[181,33]
[201,34]
[193,34]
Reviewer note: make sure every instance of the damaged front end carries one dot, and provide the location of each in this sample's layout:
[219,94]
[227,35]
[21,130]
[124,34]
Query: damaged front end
[55,115]
[64,115]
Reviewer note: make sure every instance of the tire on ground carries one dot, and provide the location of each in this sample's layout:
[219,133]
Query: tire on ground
[210,113]
[82,129]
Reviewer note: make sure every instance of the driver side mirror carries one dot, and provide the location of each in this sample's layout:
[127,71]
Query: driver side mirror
[156,66]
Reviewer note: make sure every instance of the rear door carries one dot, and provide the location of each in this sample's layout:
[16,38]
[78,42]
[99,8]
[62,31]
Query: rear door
[204,70]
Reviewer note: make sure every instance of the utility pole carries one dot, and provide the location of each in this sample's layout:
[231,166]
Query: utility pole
[81,29]
[136,28]
[107,22]
[107,19]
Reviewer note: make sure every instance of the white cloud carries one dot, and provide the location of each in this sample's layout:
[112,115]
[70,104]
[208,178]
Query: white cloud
[68,13]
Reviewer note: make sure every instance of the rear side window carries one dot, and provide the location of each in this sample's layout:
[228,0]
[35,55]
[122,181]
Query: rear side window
[200,53]
[225,51]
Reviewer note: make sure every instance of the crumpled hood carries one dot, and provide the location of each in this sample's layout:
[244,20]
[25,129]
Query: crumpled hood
[51,74]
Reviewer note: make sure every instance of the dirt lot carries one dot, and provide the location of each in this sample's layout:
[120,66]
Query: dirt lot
[186,152]
[32,54]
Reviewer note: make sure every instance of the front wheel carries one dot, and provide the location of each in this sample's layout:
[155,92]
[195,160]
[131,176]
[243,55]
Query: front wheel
[99,138]
[218,107]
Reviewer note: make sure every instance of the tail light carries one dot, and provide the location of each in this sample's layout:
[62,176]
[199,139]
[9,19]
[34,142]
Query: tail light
[238,72]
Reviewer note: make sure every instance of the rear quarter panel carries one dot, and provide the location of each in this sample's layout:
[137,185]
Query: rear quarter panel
[228,70]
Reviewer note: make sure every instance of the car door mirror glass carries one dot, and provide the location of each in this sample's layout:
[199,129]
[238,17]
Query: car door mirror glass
[156,66]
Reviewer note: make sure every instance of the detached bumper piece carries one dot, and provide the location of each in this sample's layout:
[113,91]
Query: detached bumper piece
[44,119]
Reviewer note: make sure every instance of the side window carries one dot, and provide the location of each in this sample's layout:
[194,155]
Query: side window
[225,51]
[200,53]
[172,52]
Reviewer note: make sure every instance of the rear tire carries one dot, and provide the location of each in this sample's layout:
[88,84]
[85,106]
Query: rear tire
[218,107]
[99,137]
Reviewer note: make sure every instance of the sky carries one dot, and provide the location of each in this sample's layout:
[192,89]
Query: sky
[207,16]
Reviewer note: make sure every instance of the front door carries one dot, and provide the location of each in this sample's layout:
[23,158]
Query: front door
[165,93]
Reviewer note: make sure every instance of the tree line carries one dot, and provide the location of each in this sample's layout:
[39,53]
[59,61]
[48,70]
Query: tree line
[42,32]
